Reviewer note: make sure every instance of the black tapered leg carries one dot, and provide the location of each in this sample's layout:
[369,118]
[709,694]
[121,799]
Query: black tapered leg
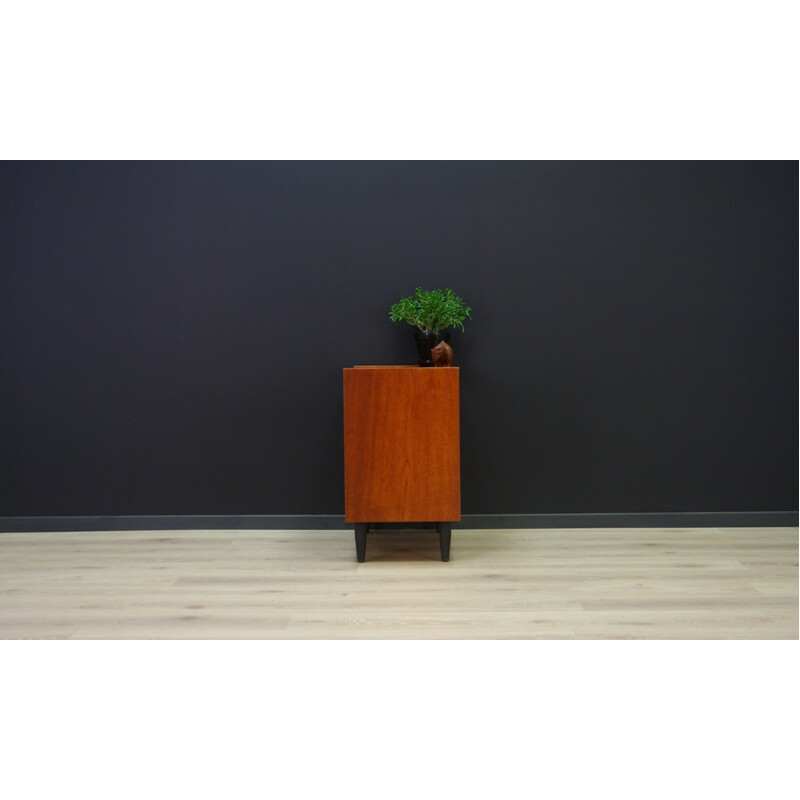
[361,540]
[444,529]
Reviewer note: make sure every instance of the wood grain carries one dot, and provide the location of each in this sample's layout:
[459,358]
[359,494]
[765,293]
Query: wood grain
[689,583]
[402,452]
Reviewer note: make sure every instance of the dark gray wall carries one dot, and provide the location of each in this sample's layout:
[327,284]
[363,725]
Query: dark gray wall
[173,333]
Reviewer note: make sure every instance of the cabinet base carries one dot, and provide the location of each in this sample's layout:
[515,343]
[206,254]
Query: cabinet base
[444,530]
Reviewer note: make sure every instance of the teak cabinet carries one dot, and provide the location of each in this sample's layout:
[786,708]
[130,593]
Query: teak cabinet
[402,459]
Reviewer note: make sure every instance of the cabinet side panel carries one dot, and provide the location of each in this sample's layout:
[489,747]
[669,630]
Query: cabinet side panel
[402,455]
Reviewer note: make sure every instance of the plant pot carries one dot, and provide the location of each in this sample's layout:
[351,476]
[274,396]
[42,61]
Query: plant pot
[425,341]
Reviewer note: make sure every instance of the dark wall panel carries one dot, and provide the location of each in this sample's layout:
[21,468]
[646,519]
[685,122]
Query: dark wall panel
[173,333]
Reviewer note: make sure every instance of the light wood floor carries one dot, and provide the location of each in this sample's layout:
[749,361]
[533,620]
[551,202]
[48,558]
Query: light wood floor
[685,583]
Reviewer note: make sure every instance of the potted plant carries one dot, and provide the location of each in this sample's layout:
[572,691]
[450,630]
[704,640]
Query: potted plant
[430,312]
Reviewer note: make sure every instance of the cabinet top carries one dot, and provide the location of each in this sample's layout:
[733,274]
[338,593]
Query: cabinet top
[394,366]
